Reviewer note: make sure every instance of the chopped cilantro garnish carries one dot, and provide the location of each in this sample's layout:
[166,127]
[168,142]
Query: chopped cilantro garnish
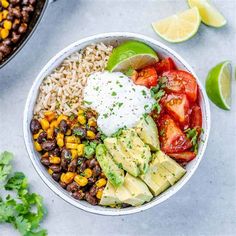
[87,102]
[192,134]
[113,93]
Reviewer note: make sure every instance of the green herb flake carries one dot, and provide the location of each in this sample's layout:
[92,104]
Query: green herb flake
[113,93]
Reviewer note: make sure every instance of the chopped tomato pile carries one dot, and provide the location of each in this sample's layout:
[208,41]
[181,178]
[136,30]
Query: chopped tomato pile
[179,117]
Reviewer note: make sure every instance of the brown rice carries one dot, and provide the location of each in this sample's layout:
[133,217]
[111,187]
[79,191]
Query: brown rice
[62,90]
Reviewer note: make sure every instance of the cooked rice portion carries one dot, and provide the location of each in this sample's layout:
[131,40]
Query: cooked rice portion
[62,90]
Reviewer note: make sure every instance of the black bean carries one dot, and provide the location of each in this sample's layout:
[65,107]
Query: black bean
[56,152]
[93,129]
[82,167]
[96,171]
[93,190]
[66,153]
[14,2]
[89,114]
[56,176]
[63,126]
[15,37]
[90,199]
[55,168]
[25,16]
[35,126]
[1,56]
[28,8]
[5,49]
[42,137]
[16,12]
[73,187]
[92,163]
[45,161]
[7,42]
[63,185]
[48,145]
[80,132]
[78,195]
[91,180]
[72,166]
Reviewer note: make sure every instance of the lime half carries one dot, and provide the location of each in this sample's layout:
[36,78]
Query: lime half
[131,54]
[209,14]
[218,85]
[179,27]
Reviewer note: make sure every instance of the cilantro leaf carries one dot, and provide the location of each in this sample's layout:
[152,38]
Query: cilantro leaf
[5,166]
[17,182]
[192,134]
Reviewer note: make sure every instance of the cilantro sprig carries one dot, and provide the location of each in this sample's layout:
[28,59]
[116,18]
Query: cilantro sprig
[24,210]
[192,135]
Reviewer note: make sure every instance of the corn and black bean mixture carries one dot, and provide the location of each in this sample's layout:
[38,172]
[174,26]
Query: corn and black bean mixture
[14,20]
[67,146]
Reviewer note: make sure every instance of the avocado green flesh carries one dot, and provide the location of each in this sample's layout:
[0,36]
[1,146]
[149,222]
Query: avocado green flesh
[109,196]
[133,146]
[147,131]
[162,173]
[113,173]
[121,157]
[133,191]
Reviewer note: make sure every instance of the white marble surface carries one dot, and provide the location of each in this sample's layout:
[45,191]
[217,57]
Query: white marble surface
[206,205]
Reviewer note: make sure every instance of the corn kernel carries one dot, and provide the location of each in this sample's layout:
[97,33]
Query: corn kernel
[60,135]
[91,134]
[101,182]
[81,180]
[60,142]
[54,124]
[44,123]
[35,136]
[80,112]
[50,133]
[71,139]
[7,24]
[55,160]
[45,155]
[50,171]
[80,149]
[67,177]
[49,115]
[74,153]
[5,3]
[88,173]
[69,132]
[61,117]
[71,145]
[81,119]
[4,33]
[1,16]
[99,194]
[92,122]
[4,14]
[37,146]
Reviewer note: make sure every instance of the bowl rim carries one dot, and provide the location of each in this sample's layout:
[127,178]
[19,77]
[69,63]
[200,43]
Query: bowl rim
[113,211]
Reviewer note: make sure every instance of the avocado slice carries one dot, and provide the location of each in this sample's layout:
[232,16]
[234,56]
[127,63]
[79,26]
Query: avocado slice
[109,196]
[134,191]
[121,157]
[133,146]
[147,131]
[171,165]
[113,173]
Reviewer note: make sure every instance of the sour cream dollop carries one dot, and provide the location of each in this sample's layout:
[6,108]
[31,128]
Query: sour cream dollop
[119,102]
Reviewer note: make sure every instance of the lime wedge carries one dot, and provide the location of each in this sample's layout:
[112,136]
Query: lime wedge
[209,14]
[218,85]
[179,27]
[131,54]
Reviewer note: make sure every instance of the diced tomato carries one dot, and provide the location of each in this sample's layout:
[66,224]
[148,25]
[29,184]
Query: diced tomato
[196,118]
[165,65]
[183,156]
[177,106]
[179,81]
[146,77]
[171,136]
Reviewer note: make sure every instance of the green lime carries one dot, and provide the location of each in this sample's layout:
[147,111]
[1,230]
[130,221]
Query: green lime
[209,14]
[131,54]
[218,85]
[179,27]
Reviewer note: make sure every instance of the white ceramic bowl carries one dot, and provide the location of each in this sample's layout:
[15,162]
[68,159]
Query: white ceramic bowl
[114,39]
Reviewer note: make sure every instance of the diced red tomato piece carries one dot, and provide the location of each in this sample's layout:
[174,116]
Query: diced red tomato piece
[165,65]
[171,136]
[177,105]
[179,81]
[146,77]
[196,118]
[183,156]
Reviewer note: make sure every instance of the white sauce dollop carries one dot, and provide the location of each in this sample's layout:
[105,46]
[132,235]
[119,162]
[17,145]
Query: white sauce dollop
[119,102]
